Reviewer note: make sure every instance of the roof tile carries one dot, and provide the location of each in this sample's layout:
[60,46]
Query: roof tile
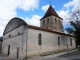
[50,12]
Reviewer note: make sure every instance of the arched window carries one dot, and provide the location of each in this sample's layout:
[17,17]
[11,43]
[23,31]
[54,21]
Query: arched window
[39,39]
[18,33]
[55,20]
[59,21]
[43,22]
[71,42]
[58,40]
[48,20]
[9,35]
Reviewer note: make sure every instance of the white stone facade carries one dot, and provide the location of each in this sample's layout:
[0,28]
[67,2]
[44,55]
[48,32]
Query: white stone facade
[21,40]
[17,39]
[49,42]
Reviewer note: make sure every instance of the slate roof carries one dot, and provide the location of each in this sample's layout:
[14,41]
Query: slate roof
[14,23]
[50,12]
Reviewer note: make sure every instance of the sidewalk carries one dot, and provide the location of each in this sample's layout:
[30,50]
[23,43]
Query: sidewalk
[6,57]
[49,56]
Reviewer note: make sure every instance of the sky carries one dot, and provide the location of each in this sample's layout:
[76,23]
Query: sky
[33,10]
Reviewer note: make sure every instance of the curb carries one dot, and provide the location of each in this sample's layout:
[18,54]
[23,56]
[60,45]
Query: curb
[49,56]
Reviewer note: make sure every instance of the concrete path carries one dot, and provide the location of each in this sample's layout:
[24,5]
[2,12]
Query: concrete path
[60,56]
[6,57]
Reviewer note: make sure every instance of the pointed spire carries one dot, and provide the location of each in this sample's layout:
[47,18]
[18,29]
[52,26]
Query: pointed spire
[50,12]
[50,2]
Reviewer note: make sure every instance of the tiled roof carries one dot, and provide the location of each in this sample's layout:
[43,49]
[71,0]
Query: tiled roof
[50,12]
[48,30]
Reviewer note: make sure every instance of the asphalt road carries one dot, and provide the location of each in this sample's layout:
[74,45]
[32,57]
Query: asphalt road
[6,57]
[69,56]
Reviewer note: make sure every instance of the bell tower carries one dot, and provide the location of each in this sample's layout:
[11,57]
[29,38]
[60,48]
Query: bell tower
[51,20]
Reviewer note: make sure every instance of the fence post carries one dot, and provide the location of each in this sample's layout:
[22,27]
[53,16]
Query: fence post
[8,49]
[17,52]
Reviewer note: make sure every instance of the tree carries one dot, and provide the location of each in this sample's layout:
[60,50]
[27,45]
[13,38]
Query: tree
[74,27]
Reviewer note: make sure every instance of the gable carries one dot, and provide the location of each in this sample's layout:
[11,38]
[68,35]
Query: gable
[13,23]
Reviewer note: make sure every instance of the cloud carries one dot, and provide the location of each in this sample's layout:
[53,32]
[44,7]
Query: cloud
[35,20]
[44,8]
[65,15]
[67,9]
[74,4]
[1,30]
[29,4]
[8,10]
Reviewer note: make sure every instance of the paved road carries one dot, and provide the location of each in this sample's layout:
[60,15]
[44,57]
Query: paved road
[69,56]
[6,57]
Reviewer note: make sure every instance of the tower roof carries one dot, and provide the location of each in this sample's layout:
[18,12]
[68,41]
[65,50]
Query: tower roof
[50,12]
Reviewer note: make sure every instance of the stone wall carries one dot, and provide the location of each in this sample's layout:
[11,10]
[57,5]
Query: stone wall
[54,25]
[17,39]
[49,42]
[22,35]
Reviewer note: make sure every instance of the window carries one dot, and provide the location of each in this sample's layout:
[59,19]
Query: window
[71,42]
[43,22]
[58,40]
[48,20]
[9,35]
[59,21]
[39,39]
[18,33]
[55,20]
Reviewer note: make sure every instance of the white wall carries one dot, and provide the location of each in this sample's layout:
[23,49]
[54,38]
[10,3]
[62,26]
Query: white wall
[49,42]
[15,41]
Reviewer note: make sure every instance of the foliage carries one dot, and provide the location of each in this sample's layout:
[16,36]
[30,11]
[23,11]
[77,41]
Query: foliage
[74,28]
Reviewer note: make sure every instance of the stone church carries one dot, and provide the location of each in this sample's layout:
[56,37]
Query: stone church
[21,39]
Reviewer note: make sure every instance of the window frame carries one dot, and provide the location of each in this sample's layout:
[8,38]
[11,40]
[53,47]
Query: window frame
[55,20]
[40,39]
[59,41]
[47,20]
[9,35]
[43,22]
[70,41]
[59,22]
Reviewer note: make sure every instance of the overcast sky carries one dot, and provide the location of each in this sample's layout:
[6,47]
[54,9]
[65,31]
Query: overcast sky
[32,10]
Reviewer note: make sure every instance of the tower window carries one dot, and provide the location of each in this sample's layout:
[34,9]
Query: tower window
[55,20]
[48,20]
[58,40]
[71,42]
[43,22]
[18,33]
[9,36]
[39,39]
[59,21]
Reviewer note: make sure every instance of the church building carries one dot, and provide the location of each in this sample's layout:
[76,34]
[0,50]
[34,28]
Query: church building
[21,39]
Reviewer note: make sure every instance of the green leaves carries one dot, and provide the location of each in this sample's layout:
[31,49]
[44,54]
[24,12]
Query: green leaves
[74,30]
